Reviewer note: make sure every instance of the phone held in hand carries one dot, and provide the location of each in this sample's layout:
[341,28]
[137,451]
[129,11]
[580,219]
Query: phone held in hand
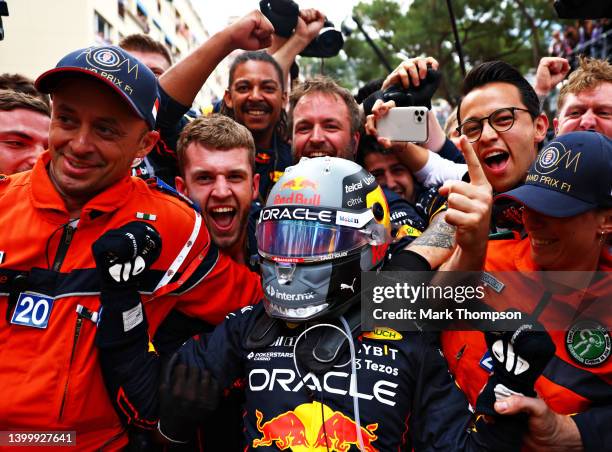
[404,124]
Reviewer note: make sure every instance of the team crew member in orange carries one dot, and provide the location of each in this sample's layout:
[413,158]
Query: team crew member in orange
[104,109]
[567,215]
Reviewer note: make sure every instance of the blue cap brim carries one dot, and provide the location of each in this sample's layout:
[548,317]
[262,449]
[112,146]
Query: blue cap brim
[48,80]
[547,202]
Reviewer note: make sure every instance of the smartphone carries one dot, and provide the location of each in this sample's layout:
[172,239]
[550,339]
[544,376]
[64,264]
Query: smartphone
[404,124]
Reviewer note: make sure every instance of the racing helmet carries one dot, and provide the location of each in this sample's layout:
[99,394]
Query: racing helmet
[325,221]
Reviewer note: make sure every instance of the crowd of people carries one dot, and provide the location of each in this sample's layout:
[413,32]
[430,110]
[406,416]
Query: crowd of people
[184,282]
[592,38]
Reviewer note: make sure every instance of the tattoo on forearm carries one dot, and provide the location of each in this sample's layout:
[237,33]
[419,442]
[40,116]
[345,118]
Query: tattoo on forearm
[439,234]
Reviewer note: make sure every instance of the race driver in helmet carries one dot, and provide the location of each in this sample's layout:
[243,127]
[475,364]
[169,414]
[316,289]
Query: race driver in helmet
[312,379]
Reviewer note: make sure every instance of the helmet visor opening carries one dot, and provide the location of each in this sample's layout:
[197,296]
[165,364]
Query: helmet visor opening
[307,241]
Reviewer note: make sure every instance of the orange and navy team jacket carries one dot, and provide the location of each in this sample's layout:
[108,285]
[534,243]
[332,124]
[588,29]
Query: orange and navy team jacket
[49,297]
[576,380]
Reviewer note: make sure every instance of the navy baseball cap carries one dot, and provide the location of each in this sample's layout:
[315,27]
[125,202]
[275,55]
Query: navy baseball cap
[115,67]
[571,175]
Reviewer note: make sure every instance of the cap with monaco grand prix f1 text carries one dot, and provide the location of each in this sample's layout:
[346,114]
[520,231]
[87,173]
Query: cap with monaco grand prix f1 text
[571,175]
[115,67]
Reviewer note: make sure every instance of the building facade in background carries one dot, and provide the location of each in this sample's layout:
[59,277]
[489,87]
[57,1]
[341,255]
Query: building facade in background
[38,32]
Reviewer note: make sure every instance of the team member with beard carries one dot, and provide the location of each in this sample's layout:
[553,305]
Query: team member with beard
[325,121]
[255,97]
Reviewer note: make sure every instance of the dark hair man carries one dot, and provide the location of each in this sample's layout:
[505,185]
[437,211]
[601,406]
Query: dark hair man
[255,97]
[104,108]
[24,130]
[384,165]
[500,114]
[259,100]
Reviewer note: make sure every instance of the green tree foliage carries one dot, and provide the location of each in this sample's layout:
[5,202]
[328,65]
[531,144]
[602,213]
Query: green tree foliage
[516,31]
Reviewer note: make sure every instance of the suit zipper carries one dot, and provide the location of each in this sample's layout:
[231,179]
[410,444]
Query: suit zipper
[77,332]
[62,249]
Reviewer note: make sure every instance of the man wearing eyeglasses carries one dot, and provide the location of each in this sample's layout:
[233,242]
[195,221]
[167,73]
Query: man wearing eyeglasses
[500,115]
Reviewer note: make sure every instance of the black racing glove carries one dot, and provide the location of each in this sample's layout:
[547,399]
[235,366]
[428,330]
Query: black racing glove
[283,14]
[519,358]
[188,395]
[122,256]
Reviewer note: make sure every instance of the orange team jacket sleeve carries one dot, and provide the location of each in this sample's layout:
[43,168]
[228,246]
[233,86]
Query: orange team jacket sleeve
[49,297]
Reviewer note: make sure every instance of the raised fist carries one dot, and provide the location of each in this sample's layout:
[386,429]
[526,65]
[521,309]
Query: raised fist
[123,254]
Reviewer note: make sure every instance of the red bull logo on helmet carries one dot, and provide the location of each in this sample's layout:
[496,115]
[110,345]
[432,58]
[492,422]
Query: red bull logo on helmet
[300,183]
[313,427]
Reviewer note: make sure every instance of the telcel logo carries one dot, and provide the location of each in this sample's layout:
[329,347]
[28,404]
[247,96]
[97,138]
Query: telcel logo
[354,186]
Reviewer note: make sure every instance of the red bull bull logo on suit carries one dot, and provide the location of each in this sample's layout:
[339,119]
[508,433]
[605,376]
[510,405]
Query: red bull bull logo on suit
[313,427]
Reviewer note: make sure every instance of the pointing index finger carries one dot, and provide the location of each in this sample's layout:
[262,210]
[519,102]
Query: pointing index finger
[477,175]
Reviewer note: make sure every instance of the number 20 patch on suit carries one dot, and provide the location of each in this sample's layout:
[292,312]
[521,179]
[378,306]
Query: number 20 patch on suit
[32,310]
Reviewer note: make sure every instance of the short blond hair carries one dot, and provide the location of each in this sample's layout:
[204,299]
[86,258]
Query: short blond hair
[591,73]
[326,85]
[216,131]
